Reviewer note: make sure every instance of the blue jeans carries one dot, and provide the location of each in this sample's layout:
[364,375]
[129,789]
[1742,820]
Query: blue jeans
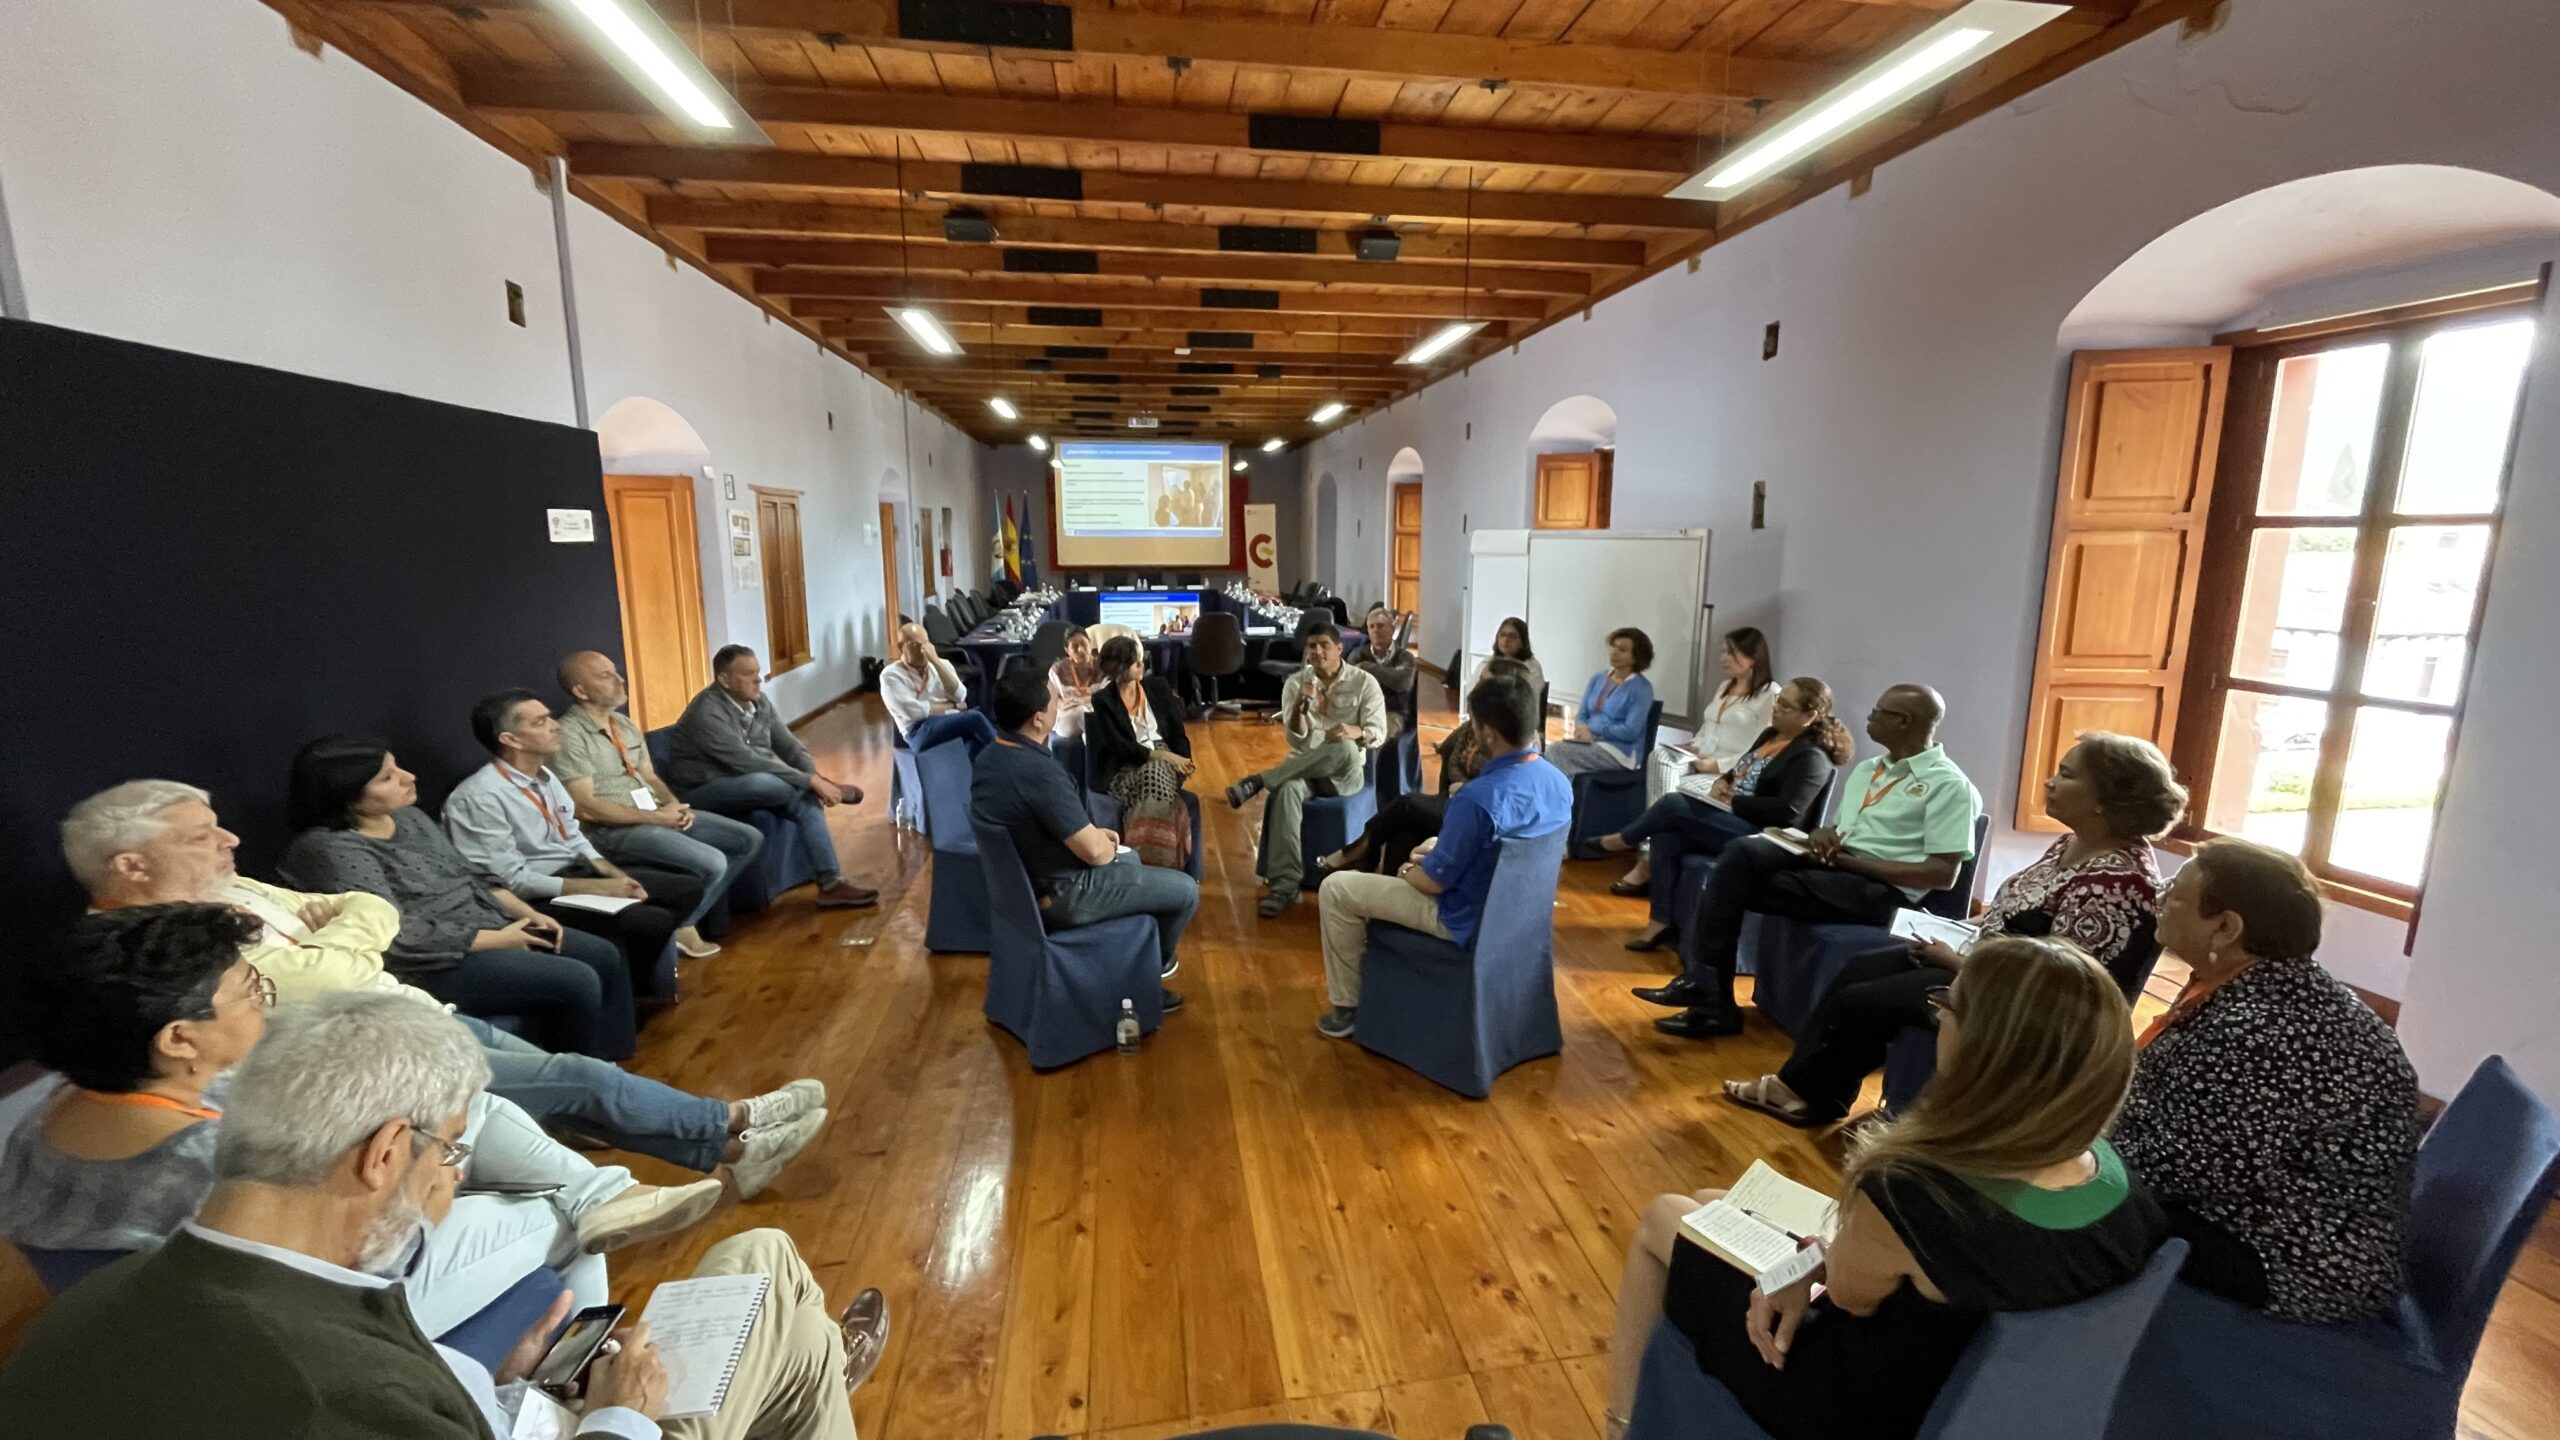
[1125,887]
[972,726]
[605,1102]
[737,795]
[578,999]
[717,850]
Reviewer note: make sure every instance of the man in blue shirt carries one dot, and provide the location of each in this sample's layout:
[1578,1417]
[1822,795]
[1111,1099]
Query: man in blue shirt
[1079,869]
[1442,891]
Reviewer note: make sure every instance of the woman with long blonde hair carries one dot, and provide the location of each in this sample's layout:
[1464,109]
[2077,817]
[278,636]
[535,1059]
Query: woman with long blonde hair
[1994,1192]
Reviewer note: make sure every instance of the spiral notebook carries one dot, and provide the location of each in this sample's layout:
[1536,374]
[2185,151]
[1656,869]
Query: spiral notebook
[700,1327]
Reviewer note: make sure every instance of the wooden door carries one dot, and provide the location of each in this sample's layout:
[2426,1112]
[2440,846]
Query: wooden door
[889,607]
[924,557]
[657,571]
[786,590]
[1573,492]
[1404,568]
[2138,448]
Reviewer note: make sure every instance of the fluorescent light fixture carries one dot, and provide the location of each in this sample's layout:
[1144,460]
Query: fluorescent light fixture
[1441,343]
[1003,407]
[1040,443]
[1327,411]
[1964,36]
[1241,465]
[1271,446]
[648,54]
[927,330]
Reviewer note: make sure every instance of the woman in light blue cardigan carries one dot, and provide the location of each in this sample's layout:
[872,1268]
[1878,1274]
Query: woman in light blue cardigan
[1608,731]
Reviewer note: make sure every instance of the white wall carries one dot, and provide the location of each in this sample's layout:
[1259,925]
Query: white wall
[1908,427]
[179,174]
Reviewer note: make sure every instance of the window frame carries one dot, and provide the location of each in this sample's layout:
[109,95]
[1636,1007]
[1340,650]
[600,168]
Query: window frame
[2231,524]
[786,617]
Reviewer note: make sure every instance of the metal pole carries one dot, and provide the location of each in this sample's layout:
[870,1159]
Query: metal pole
[568,287]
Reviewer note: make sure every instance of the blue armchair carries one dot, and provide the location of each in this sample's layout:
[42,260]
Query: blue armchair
[2486,1173]
[906,788]
[1461,1015]
[957,919]
[1608,801]
[1327,822]
[1059,992]
[781,865]
[2028,1375]
[1794,962]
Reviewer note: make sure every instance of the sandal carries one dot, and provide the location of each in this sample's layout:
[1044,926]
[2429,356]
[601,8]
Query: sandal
[1754,1095]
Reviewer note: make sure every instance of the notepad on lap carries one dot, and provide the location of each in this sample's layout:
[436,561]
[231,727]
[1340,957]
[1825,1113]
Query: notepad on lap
[700,1328]
[1753,1228]
[601,904]
[1956,935]
[1789,839]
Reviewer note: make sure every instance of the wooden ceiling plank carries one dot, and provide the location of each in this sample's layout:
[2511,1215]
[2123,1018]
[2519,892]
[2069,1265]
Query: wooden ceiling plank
[878,289]
[1241,270]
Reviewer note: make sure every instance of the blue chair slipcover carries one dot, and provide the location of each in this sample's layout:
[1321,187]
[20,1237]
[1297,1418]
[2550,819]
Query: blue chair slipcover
[2028,1375]
[1913,1056]
[1327,822]
[906,789]
[782,864]
[59,1270]
[1059,992]
[1461,1015]
[2208,1367]
[1608,801]
[1794,962]
[1401,775]
[957,918]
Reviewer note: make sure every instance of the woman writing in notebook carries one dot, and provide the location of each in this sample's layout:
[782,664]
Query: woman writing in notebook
[2097,887]
[1995,1192]
[1736,720]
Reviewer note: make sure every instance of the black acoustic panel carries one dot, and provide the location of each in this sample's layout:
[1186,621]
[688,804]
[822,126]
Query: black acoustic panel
[1075,352]
[1010,23]
[1078,378]
[1267,239]
[1093,399]
[1205,367]
[1186,409]
[1221,339]
[1066,317]
[1216,298]
[1022,182]
[1088,414]
[421,577]
[1312,132]
[1268,372]
[1195,389]
[1021,261]
[1036,365]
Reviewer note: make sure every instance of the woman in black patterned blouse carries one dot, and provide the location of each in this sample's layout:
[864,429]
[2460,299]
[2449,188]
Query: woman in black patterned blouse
[2095,887]
[2272,1111]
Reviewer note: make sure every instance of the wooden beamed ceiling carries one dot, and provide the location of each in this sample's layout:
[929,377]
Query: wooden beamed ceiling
[1180,187]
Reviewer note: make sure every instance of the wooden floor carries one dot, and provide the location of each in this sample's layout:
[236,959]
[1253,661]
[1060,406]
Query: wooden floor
[1245,1221]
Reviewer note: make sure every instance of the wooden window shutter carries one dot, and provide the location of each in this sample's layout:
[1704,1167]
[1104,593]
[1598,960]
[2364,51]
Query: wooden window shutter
[2139,440]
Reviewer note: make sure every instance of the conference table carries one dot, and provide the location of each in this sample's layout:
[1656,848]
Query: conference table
[1167,655]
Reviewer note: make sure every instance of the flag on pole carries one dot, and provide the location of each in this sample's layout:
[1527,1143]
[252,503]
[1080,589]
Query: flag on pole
[1012,545]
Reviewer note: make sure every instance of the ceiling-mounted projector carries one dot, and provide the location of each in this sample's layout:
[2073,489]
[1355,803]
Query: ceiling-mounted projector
[1143,422]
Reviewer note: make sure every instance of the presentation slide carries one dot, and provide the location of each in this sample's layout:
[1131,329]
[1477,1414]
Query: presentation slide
[1142,504]
[1152,612]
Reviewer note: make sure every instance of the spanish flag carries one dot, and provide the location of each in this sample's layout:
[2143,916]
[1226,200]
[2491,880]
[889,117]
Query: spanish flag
[1012,545]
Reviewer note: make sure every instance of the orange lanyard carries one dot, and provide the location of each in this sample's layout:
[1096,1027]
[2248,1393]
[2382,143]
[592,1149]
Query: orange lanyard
[1875,794]
[2187,1003]
[143,1101]
[557,827]
[613,733]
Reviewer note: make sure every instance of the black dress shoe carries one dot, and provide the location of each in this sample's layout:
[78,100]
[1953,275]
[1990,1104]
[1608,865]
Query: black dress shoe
[1701,1024]
[1642,944]
[1680,994]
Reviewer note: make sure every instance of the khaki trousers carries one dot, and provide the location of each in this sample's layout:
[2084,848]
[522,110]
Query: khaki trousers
[1343,764]
[790,1379]
[1345,904]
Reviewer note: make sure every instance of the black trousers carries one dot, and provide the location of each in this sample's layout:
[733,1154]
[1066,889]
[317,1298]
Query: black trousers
[1681,826]
[643,931]
[1757,874]
[1879,992]
[1393,833]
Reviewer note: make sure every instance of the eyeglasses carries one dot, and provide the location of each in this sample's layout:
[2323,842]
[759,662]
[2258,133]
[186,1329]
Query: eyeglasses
[452,1153]
[262,986]
[1941,1008]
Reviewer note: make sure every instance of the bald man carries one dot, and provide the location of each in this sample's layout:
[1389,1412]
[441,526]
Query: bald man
[1906,828]
[626,810]
[925,696]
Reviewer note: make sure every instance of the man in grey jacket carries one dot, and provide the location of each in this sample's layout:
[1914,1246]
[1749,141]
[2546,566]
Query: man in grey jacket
[732,755]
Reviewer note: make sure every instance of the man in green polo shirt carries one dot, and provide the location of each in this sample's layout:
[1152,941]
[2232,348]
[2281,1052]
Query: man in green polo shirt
[1906,828]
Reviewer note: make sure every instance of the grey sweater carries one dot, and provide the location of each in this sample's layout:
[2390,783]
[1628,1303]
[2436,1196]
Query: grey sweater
[53,1201]
[442,902]
[714,739]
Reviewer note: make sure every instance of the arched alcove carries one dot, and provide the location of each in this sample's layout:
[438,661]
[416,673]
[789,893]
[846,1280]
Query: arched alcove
[1571,464]
[1407,465]
[1401,587]
[1579,422]
[675,595]
[638,435]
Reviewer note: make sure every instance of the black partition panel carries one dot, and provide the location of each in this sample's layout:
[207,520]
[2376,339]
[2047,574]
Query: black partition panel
[210,563]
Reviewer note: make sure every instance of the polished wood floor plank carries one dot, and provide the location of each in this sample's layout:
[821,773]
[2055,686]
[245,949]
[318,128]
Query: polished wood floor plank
[1044,1376]
[1537,1400]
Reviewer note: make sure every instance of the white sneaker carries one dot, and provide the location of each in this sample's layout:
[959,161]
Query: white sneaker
[792,1101]
[691,945]
[770,1149]
[645,1212]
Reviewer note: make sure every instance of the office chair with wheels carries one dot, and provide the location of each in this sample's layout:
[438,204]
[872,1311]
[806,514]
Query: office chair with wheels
[1215,652]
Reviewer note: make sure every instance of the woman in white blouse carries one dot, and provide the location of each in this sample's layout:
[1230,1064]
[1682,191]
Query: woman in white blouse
[1073,680]
[1732,725]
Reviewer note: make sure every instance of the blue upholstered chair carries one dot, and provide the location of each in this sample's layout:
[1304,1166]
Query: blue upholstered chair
[1913,1056]
[782,864]
[1106,809]
[2028,1375]
[1694,869]
[1401,774]
[1059,992]
[1793,962]
[1608,801]
[2208,1367]
[1327,822]
[906,789]
[59,1270]
[1461,1015]
[957,919]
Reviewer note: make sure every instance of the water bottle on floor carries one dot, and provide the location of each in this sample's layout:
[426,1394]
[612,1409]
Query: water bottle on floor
[1125,1034]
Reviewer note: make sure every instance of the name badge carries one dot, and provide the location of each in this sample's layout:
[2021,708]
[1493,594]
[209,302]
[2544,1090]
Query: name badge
[643,798]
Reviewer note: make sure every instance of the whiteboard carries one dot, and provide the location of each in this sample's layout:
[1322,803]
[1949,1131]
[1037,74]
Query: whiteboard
[1497,587]
[1585,583]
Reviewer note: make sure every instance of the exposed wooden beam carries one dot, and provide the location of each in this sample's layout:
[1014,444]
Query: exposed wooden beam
[958,316]
[1152,374]
[1215,269]
[788,221]
[547,94]
[1332,49]
[861,296]
[799,169]
[977,335]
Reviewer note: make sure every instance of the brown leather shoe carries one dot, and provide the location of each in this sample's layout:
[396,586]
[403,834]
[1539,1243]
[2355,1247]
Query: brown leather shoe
[845,895]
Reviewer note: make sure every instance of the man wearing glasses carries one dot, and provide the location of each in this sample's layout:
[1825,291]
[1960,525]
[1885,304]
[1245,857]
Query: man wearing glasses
[1906,828]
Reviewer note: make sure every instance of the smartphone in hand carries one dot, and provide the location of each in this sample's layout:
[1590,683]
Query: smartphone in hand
[564,1367]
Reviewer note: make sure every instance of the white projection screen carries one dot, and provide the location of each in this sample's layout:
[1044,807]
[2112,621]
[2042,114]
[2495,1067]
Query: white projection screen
[1141,504]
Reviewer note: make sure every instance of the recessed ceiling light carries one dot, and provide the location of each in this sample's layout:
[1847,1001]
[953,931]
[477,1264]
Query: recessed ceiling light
[1271,446]
[1040,443]
[1003,407]
[1963,36]
[1440,343]
[927,330]
[1241,465]
[642,47]
[1327,411]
